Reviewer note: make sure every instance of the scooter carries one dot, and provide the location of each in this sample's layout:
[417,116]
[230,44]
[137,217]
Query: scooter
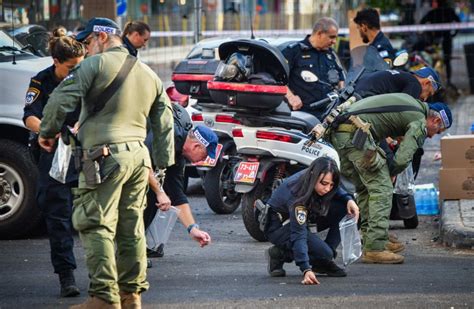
[269,154]
[190,77]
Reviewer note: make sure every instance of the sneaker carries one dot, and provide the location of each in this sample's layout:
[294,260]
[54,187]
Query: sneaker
[394,247]
[149,264]
[68,284]
[275,258]
[329,268]
[382,257]
[156,254]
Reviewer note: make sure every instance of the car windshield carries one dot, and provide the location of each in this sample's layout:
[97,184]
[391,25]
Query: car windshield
[6,40]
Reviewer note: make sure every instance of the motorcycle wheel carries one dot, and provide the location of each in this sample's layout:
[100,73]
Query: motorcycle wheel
[220,189]
[248,213]
[411,223]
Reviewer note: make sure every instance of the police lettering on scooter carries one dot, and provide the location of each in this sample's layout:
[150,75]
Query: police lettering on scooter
[312,59]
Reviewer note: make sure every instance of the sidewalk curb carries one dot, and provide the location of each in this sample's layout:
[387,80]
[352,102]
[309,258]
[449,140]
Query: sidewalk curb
[452,230]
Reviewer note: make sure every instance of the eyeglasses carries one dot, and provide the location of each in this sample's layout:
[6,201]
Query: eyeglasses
[87,41]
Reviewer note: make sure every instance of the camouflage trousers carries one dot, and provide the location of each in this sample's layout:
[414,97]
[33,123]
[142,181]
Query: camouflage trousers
[367,169]
[109,219]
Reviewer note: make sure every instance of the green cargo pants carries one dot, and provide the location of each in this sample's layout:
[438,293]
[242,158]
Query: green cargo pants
[368,171]
[112,213]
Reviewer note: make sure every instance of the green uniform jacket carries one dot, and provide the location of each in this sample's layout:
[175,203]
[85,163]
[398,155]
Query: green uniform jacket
[123,118]
[409,124]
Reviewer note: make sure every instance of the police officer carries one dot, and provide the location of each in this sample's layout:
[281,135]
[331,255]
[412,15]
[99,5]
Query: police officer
[310,58]
[193,145]
[309,196]
[368,24]
[135,36]
[421,84]
[55,198]
[365,165]
[110,198]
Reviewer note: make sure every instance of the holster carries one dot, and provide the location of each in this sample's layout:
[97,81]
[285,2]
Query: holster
[359,138]
[263,213]
[92,165]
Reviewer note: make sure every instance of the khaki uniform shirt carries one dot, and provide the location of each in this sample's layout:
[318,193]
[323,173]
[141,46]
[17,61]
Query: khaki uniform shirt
[123,118]
[411,125]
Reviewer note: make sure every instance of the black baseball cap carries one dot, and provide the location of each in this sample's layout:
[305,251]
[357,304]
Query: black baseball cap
[98,24]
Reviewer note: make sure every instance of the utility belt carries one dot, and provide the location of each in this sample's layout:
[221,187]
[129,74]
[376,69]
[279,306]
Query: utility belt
[357,125]
[92,161]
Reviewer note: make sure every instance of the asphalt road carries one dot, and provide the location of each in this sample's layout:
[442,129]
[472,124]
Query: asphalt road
[231,272]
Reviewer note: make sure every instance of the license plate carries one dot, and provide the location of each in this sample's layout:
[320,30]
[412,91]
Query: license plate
[208,162]
[246,172]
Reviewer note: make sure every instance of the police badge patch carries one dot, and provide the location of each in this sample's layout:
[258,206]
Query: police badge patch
[31,95]
[301,214]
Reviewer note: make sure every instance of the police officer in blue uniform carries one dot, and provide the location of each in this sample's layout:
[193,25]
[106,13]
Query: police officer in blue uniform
[53,197]
[309,196]
[368,23]
[313,58]
[193,145]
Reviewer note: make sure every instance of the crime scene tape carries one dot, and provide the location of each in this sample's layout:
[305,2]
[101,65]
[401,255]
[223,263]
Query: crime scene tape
[342,31]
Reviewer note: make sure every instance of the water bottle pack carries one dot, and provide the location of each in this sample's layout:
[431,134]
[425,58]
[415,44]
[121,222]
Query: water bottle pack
[426,199]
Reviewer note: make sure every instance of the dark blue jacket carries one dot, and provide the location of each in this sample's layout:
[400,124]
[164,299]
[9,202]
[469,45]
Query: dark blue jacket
[301,56]
[282,201]
[383,46]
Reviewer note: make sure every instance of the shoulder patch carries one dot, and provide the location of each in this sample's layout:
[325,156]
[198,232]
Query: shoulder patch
[70,79]
[31,95]
[301,214]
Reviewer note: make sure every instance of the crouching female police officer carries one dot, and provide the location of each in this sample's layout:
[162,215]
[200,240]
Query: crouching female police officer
[312,195]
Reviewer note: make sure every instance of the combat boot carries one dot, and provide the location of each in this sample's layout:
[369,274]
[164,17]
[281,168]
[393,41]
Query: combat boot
[68,284]
[393,238]
[382,257]
[276,258]
[394,247]
[96,303]
[328,267]
[130,300]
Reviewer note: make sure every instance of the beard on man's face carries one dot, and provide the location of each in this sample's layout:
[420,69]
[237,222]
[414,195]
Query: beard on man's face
[365,39]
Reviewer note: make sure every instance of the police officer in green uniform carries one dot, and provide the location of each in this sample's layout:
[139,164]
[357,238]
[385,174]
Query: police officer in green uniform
[364,163]
[108,209]
[310,58]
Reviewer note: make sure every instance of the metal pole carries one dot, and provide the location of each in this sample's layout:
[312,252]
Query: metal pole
[197,14]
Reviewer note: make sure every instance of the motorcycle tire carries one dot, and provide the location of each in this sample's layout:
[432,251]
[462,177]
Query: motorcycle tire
[220,189]
[248,213]
[411,223]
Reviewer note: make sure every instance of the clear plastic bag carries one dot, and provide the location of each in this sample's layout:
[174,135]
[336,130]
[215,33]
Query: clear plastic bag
[405,183]
[350,240]
[60,164]
[159,230]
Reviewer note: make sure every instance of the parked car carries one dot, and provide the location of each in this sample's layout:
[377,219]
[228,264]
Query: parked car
[18,173]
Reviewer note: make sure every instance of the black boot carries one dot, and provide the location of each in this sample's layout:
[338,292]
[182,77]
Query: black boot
[154,254]
[327,267]
[276,258]
[68,284]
